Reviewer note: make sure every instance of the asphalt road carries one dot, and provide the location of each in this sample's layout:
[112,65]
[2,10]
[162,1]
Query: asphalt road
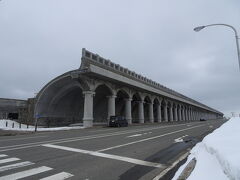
[135,152]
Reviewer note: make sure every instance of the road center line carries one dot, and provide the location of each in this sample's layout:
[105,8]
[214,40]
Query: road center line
[109,156]
[21,138]
[29,145]
[147,139]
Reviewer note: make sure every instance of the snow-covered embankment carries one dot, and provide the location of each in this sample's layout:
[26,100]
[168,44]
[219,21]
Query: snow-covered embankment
[24,127]
[218,155]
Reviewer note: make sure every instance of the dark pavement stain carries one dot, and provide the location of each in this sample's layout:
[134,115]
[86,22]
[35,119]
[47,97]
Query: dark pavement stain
[163,157]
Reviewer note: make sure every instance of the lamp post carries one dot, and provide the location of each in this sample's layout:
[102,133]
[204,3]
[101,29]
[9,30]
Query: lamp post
[199,28]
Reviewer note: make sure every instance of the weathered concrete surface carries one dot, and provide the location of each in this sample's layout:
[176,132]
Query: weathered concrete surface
[101,88]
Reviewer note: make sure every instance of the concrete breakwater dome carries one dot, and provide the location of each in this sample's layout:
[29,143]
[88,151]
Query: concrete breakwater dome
[101,88]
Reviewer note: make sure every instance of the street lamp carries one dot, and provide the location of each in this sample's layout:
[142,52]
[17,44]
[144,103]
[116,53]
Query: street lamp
[199,28]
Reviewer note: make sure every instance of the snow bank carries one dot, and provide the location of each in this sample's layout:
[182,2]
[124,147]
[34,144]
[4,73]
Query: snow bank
[30,128]
[218,155]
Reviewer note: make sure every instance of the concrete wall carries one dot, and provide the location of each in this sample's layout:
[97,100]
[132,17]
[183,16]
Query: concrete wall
[101,88]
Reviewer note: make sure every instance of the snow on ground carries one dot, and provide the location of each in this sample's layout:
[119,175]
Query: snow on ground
[30,128]
[218,155]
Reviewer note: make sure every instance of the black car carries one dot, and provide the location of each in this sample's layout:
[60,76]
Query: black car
[202,119]
[118,121]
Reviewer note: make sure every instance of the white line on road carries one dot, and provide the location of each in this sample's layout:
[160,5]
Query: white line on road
[3,155]
[164,172]
[147,139]
[8,160]
[21,138]
[59,176]
[109,156]
[135,135]
[26,173]
[14,166]
[180,139]
[29,145]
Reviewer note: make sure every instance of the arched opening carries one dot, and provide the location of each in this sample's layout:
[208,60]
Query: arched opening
[163,105]
[147,101]
[120,102]
[155,109]
[66,108]
[100,104]
[168,111]
[135,101]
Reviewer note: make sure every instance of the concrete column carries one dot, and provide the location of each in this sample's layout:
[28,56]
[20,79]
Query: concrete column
[88,108]
[179,114]
[165,113]
[128,110]
[175,114]
[171,113]
[159,117]
[111,106]
[183,114]
[186,114]
[140,112]
[150,108]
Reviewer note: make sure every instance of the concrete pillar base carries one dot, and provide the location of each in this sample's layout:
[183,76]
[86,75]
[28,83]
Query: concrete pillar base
[129,121]
[87,122]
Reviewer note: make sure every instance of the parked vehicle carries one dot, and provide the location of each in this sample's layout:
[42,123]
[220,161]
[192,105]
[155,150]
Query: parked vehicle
[202,119]
[118,121]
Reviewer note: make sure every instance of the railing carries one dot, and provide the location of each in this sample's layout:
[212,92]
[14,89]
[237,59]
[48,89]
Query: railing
[116,67]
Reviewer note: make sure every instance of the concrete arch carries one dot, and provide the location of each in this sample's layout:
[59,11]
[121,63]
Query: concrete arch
[51,93]
[124,91]
[100,103]
[110,86]
[64,90]
[136,100]
[120,103]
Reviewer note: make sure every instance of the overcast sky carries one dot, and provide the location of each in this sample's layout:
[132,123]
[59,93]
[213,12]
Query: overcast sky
[42,39]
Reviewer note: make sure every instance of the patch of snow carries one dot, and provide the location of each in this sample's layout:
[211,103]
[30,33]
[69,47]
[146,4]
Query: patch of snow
[217,155]
[30,128]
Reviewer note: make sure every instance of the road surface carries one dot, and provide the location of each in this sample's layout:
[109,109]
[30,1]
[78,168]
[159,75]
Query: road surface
[135,152]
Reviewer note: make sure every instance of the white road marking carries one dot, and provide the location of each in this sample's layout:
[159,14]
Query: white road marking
[30,145]
[135,135]
[8,160]
[59,176]
[147,139]
[14,166]
[26,173]
[109,156]
[3,155]
[21,138]
[180,139]
[170,167]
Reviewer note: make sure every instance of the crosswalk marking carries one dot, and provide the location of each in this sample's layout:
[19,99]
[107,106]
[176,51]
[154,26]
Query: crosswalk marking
[59,176]
[3,155]
[14,166]
[8,160]
[26,173]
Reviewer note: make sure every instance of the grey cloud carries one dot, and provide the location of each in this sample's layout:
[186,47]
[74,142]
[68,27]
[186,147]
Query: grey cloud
[42,39]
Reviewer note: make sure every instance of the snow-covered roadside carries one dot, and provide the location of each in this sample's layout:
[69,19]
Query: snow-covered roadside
[218,155]
[30,128]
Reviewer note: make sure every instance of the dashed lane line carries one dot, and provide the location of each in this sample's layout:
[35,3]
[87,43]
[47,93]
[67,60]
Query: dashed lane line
[29,145]
[147,139]
[21,138]
[109,156]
